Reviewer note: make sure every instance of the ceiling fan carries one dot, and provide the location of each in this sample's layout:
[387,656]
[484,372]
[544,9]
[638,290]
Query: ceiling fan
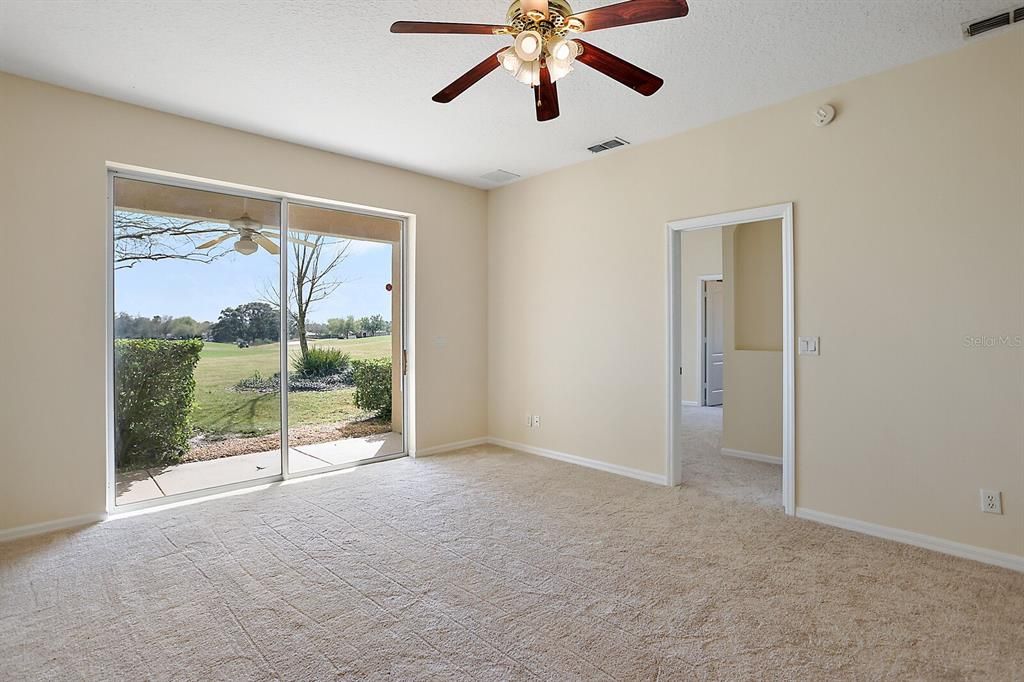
[544,52]
[251,236]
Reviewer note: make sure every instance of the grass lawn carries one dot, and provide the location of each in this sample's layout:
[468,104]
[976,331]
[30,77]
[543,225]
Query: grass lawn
[220,410]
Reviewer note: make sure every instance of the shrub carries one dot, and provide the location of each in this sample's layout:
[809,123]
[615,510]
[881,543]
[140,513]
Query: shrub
[373,385]
[258,383]
[154,390]
[320,362]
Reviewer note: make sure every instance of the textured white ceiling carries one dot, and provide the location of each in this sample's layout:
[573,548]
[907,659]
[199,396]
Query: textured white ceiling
[328,74]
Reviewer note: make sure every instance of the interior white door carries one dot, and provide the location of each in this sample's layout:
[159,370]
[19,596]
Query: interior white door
[714,343]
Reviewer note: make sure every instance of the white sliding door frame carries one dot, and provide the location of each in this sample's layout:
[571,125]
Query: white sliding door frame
[674,355]
[285,296]
[406,244]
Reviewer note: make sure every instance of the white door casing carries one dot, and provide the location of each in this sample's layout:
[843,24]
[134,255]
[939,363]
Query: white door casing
[674,347]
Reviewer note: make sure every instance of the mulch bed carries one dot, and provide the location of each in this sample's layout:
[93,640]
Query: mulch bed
[205,449]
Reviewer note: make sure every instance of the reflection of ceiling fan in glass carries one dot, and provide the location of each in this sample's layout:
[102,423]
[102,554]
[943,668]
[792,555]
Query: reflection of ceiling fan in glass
[251,236]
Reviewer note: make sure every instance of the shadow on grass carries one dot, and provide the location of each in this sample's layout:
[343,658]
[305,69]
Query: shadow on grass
[242,419]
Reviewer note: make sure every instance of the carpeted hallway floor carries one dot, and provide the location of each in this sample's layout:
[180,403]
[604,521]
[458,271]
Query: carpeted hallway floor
[705,467]
[487,564]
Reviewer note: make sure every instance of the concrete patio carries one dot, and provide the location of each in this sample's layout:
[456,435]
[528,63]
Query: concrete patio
[148,484]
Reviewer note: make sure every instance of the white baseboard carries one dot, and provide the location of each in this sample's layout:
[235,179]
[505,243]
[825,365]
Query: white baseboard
[756,456]
[690,403]
[582,461]
[49,526]
[985,556]
[423,452]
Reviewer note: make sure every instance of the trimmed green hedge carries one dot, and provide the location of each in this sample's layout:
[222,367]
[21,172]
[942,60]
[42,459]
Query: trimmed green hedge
[154,390]
[373,385]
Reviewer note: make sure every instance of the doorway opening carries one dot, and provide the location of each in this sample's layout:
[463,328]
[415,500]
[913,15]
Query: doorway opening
[731,350]
[253,337]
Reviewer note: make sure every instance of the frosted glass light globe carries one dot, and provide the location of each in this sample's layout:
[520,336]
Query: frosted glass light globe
[529,45]
[246,246]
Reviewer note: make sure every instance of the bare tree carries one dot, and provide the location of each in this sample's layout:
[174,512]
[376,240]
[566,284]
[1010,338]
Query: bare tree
[142,237]
[310,279]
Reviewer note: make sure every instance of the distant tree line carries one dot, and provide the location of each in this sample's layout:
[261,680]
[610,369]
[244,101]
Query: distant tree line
[158,327]
[343,327]
[255,322]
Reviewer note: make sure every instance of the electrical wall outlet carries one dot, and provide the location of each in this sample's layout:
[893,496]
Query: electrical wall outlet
[991,501]
[536,421]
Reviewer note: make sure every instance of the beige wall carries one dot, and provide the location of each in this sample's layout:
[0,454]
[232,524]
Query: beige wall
[757,285]
[54,145]
[701,255]
[908,238]
[752,411]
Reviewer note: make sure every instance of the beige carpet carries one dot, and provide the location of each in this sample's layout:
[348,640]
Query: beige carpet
[492,565]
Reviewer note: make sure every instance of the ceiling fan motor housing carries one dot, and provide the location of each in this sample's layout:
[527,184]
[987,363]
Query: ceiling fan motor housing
[556,23]
[555,7]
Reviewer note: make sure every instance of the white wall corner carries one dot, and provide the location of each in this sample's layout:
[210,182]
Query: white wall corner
[447,447]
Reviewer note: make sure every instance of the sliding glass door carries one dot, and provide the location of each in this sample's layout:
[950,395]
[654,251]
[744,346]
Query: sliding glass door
[344,345]
[206,286]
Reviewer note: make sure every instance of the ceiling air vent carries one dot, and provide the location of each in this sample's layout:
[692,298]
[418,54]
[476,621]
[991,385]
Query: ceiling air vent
[605,146]
[976,28]
[499,176]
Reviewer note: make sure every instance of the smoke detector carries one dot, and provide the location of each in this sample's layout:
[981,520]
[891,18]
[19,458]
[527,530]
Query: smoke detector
[824,115]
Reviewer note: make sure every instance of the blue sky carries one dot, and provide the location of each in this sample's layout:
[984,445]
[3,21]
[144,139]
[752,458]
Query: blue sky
[202,290]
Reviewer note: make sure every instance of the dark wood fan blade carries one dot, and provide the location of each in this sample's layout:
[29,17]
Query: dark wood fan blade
[463,82]
[632,12]
[644,82]
[443,27]
[545,97]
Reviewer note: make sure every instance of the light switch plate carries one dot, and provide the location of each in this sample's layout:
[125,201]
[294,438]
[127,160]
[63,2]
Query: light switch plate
[808,345]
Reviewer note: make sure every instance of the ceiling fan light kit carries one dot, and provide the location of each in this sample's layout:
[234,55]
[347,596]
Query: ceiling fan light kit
[529,45]
[246,246]
[543,51]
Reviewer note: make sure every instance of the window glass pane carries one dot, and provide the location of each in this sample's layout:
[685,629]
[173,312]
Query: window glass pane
[345,338]
[197,339]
